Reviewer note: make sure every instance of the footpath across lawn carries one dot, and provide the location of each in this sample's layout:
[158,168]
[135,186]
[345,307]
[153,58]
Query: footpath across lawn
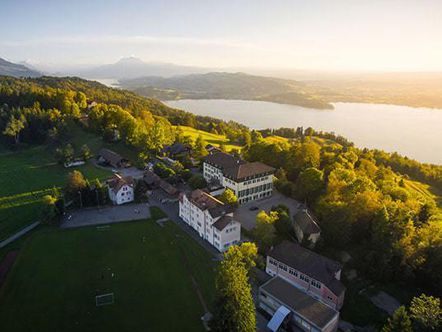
[58,273]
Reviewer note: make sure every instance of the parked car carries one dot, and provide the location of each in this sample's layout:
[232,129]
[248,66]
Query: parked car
[253,208]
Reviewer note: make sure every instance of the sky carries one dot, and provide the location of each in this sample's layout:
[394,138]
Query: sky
[371,35]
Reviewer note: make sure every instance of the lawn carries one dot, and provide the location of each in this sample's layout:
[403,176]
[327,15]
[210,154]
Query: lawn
[25,176]
[210,138]
[53,285]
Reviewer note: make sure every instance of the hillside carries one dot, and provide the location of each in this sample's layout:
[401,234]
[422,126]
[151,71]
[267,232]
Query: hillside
[218,85]
[17,70]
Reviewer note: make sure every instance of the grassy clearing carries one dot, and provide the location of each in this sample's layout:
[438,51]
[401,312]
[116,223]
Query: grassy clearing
[214,139]
[25,177]
[60,272]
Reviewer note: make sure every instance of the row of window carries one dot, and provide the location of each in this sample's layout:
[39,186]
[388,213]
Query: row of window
[254,190]
[232,229]
[250,198]
[295,273]
[256,180]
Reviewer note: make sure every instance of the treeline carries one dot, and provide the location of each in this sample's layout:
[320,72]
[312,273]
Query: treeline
[46,102]
[363,206]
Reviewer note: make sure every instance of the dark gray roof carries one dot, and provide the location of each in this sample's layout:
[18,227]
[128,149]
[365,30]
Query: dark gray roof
[176,148]
[221,210]
[222,222]
[309,263]
[111,156]
[150,178]
[306,222]
[235,168]
[311,309]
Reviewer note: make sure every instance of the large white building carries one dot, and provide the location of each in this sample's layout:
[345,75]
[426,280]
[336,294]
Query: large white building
[121,189]
[248,180]
[211,218]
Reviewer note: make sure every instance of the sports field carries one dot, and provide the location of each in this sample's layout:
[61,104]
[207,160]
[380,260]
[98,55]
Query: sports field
[58,273]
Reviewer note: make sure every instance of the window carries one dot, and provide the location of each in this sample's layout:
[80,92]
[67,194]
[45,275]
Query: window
[316,284]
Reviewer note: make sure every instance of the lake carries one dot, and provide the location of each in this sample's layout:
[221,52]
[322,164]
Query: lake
[413,132]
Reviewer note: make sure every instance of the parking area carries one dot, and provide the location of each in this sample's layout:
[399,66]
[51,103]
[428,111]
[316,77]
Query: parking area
[247,217]
[106,215]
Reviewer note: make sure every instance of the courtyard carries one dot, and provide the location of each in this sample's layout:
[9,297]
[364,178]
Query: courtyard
[246,213]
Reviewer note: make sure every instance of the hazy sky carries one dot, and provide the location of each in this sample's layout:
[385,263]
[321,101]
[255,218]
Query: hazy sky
[304,34]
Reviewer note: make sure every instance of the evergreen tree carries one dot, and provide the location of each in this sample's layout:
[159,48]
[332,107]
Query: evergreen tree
[399,322]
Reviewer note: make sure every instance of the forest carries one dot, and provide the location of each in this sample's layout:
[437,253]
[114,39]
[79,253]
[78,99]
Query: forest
[367,202]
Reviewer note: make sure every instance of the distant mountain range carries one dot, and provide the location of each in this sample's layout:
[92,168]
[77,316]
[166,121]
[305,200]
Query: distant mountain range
[132,67]
[17,70]
[220,85]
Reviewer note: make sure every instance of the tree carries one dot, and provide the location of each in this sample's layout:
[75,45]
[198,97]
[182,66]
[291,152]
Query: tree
[264,231]
[228,197]
[86,152]
[399,322]
[309,184]
[68,154]
[199,149]
[234,307]
[49,210]
[76,182]
[197,182]
[426,313]
[14,127]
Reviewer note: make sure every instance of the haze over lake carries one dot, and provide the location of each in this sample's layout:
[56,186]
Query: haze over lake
[413,132]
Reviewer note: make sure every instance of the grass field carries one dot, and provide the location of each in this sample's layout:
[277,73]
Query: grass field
[210,138]
[27,175]
[58,273]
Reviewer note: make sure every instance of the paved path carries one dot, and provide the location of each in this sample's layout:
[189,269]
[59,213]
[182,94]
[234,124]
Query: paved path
[19,234]
[106,215]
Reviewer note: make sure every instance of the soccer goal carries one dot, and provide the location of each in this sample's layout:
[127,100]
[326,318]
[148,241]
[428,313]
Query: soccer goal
[104,299]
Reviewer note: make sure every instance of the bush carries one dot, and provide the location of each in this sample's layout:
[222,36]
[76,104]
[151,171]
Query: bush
[197,182]
[163,171]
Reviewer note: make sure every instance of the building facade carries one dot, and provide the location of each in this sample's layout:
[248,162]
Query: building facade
[248,180]
[316,275]
[212,219]
[121,189]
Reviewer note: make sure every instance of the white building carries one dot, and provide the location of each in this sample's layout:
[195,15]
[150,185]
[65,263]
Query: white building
[248,180]
[121,189]
[211,218]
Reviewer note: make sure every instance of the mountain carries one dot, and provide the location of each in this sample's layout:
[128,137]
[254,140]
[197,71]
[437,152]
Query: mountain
[133,67]
[221,85]
[17,70]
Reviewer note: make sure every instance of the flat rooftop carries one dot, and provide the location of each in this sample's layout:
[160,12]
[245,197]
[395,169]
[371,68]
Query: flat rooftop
[306,306]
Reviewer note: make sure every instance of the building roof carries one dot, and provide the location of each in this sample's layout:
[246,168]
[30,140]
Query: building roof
[111,156]
[176,148]
[150,178]
[205,201]
[309,263]
[311,309]
[235,168]
[118,181]
[168,188]
[222,222]
[305,220]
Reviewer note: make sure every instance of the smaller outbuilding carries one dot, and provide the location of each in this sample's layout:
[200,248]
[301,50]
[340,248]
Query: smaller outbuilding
[121,189]
[177,150]
[306,227]
[111,158]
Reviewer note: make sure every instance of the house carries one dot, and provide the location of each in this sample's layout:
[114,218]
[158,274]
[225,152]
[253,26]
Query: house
[211,218]
[291,307]
[313,274]
[211,149]
[177,150]
[111,158]
[248,180]
[121,189]
[305,226]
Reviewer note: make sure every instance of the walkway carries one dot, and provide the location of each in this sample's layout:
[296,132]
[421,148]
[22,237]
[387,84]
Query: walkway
[19,234]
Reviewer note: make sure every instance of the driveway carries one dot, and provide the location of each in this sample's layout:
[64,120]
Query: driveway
[106,215]
[247,218]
